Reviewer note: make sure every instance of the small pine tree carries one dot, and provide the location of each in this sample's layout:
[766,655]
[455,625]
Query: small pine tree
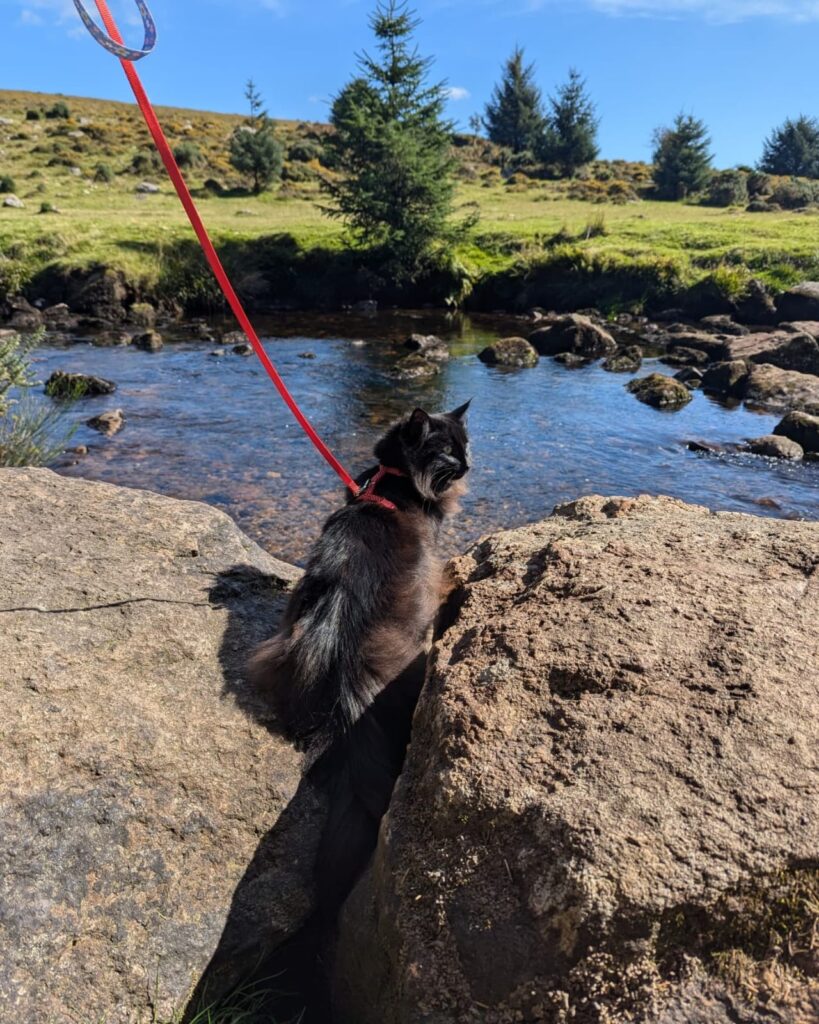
[254,149]
[682,161]
[393,149]
[514,116]
[793,148]
[570,140]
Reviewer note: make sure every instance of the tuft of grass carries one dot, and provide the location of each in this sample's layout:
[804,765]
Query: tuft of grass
[33,431]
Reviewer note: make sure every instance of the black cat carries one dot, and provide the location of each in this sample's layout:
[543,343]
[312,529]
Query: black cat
[347,665]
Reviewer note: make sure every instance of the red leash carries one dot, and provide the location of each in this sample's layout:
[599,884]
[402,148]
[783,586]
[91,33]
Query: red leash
[126,57]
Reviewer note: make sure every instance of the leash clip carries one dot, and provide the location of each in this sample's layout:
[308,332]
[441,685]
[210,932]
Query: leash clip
[117,48]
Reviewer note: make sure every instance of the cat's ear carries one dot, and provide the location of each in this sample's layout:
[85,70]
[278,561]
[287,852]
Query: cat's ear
[417,427]
[459,414]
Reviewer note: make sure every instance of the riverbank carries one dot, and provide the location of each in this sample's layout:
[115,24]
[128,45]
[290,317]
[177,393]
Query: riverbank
[92,197]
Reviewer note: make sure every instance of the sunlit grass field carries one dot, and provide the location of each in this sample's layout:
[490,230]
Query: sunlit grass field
[54,164]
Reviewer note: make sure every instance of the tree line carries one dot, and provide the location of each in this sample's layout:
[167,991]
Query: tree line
[391,150]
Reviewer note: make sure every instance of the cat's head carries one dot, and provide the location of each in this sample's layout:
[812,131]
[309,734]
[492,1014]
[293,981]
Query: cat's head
[433,450]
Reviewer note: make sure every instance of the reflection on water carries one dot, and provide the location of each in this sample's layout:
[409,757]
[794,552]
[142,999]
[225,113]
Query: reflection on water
[214,430]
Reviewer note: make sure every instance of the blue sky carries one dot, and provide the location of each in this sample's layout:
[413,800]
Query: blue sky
[742,65]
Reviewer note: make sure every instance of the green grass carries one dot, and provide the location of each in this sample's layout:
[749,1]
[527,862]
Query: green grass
[525,224]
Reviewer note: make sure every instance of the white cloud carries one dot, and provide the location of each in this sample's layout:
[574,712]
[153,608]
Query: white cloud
[457,92]
[718,11]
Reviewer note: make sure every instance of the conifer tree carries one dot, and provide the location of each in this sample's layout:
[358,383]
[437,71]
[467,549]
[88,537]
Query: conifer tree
[393,149]
[254,149]
[682,161]
[514,116]
[570,139]
[793,148]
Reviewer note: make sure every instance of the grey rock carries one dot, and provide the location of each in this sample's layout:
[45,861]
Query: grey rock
[108,423]
[775,447]
[612,774]
[787,349]
[769,387]
[77,385]
[660,391]
[573,333]
[149,341]
[624,360]
[515,352]
[147,188]
[799,303]
[429,346]
[728,379]
[801,428]
[139,779]
[14,203]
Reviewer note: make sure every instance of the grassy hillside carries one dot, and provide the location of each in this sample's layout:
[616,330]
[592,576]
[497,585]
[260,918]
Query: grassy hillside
[78,179]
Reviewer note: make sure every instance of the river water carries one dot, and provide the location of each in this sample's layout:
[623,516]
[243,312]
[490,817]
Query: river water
[213,429]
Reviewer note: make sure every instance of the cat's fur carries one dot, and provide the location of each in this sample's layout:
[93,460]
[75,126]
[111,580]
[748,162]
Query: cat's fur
[347,663]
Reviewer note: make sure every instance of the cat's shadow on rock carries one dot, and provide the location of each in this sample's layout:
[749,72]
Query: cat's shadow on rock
[254,964]
[262,948]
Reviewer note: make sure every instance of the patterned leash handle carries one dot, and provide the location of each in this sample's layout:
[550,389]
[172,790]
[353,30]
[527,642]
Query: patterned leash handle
[111,45]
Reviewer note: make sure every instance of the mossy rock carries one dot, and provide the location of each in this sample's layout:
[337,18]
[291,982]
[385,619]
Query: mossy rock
[660,391]
[510,352]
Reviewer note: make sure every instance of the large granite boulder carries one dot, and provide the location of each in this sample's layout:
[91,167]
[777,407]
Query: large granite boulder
[610,810]
[141,789]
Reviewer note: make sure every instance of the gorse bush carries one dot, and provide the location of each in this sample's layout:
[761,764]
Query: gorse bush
[33,115]
[59,111]
[104,174]
[7,183]
[146,161]
[795,195]
[305,151]
[727,188]
[187,154]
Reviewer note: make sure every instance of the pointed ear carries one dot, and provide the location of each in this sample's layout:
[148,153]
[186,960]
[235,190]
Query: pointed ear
[417,427]
[460,413]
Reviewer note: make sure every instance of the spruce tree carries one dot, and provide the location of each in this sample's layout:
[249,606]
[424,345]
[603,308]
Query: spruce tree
[793,148]
[570,140]
[254,149]
[682,161]
[393,149]
[514,116]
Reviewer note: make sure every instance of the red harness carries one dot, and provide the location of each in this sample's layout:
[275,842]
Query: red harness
[367,493]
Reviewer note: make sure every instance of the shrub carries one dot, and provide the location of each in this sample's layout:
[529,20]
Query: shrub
[59,112]
[794,195]
[304,151]
[187,154]
[759,184]
[33,115]
[727,188]
[48,208]
[7,183]
[145,161]
[214,186]
[104,174]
